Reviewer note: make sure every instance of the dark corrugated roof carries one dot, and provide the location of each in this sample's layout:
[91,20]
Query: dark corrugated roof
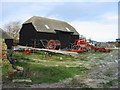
[4,35]
[50,25]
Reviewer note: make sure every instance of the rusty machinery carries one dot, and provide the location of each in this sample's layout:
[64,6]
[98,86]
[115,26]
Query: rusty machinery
[81,45]
[53,44]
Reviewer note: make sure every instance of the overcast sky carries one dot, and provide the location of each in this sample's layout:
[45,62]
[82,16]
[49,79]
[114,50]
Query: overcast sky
[95,20]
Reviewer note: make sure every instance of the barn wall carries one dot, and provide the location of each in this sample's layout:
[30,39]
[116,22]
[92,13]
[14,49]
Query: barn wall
[64,37]
[44,35]
[27,33]
[9,43]
[74,37]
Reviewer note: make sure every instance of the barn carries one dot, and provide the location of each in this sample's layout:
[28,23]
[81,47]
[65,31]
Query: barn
[37,28]
[7,38]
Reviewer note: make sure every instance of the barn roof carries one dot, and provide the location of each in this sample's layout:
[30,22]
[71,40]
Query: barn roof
[4,35]
[42,24]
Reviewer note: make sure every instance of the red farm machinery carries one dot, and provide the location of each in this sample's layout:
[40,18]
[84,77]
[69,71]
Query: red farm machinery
[85,45]
[53,44]
[81,45]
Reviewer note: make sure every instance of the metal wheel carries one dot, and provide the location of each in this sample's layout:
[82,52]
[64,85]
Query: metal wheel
[53,44]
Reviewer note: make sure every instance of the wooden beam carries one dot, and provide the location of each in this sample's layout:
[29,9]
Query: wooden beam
[49,50]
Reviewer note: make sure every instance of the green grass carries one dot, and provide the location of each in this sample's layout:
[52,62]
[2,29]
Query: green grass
[21,56]
[40,56]
[6,67]
[57,57]
[45,71]
[40,73]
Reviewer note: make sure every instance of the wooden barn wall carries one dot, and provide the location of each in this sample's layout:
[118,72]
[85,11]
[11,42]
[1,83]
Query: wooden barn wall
[64,37]
[74,37]
[27,33]
[9,43]
[44,35]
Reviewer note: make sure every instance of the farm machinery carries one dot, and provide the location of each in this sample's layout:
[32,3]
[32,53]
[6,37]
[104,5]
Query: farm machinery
[81,45]
[53,44]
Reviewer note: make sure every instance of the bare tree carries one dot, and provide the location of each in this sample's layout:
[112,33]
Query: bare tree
[13,28]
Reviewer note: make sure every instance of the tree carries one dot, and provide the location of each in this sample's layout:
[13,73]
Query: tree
[13,28]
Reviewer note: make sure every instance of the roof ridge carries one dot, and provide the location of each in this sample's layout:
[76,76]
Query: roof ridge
[39,17]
